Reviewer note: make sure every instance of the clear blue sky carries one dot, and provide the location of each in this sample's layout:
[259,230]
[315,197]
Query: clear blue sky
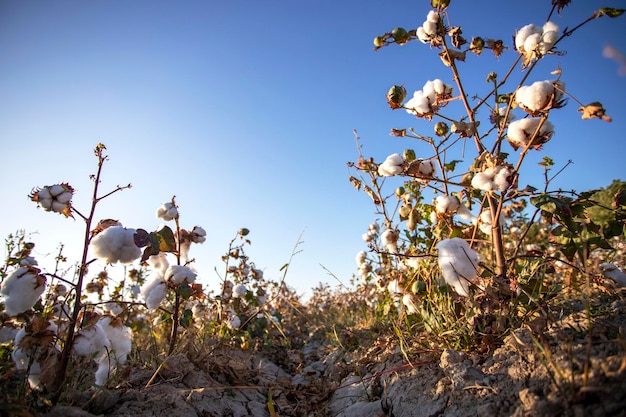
[244,110]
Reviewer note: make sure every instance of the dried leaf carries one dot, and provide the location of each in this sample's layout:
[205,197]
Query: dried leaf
[594,110]
[356,183]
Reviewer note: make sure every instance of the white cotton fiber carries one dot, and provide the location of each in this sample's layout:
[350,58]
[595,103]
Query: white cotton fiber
[458,263]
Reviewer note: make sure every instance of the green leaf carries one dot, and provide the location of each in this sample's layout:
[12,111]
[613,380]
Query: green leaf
[569,250]
[186,319]
[450,166]
[184,290]
[166,239]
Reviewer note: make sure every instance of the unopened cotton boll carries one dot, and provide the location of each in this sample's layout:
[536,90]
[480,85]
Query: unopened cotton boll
[458,263]
[393,165]
[22,289]
[116,244]
[167,212]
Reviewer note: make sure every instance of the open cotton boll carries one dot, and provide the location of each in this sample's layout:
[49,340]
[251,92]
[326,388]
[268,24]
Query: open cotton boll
[523,34]
[167,212]
[91,341]
[493,179]
[33,355]
[177,274]
[389,238]
[393,165]
[535,97]
[116,244]
[419,104]
[240,291]
[154,292]
[458,263]
[485,221]
[119,336]
[22,289]
[159,263]
[447,204]
[360,257]
[521,131]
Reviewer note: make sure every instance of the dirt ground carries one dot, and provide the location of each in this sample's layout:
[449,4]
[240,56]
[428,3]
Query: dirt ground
[538,370]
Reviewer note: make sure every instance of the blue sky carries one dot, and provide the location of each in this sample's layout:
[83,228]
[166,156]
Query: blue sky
[245,110]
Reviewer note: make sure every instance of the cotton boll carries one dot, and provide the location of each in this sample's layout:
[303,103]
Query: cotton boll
[409,304]
[521,131]
[485,221]
[523,34]
[22,289]
[198,234]
[32,356]
[532,42]
[419,104]
[154,292]
[483,181]
[167,212]
[394,287]
[502,178]
[432,16]
[159,263]
[458,263]
[389,238]
[360,257]
[91,341]
[447,204]
[536,97]
[393,165]
[240,291]
[430,28]
[116,244]
[120,337]
[177,274]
